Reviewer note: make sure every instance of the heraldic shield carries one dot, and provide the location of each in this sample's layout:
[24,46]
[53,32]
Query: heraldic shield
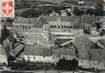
[7,7]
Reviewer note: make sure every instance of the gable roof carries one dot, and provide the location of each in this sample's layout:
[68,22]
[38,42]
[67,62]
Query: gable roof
[62,18]
[74,19]
[66,51]
[36,23]
[37,50]
[97,54]
[102,42]
[24,20]
[89,19]
[83,44]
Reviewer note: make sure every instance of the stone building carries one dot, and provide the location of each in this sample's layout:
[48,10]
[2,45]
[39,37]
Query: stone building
[32,31]
[61,27]
[38,54]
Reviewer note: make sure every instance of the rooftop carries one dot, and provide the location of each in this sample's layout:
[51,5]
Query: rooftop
[46,19]
[83,44]
[75,19]
[63,18]
[102,42]
[37,50]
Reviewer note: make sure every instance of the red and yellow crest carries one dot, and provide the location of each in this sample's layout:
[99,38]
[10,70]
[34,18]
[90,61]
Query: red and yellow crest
[7,7]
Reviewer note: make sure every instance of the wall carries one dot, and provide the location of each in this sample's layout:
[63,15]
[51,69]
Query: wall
[3,57]
[45,59]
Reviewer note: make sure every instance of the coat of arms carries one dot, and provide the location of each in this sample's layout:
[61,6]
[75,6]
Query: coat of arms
[7,8]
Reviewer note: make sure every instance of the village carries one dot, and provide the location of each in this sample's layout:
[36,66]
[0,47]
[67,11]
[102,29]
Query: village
[69,37]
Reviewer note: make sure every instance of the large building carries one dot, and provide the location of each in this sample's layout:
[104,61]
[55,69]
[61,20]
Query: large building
[47,55]
[67,27]
[32,31]
[61,27]
[38,54]
[40,31]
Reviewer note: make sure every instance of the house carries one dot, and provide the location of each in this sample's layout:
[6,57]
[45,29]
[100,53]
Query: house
[47,54]
[68,53]
[89,56]
[98,55]
[85,63]
[38,54]
[83,44]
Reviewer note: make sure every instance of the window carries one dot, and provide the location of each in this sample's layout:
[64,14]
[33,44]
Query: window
[28,58]
[41,35]
[51,26]
[36,34]
[45,39]
[54,26]
[32,34]
[58,26]
[16,26]
[62,26]
[35,43]
[66,26]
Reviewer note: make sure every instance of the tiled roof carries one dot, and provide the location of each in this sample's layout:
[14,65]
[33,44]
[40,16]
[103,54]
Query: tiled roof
[63,18]
[89,19]
[66,51]
[25,20]
[37,50]
[102,42]
[45,51]
[83,44]
[36,23]
[97,54]
[74,19]
[36,30]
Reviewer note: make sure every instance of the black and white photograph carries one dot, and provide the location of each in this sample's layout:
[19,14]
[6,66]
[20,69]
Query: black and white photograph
[52,36]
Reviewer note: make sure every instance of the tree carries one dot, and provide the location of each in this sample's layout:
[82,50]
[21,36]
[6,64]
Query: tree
[98,26]
[91,11]
[76,11]
[99,9]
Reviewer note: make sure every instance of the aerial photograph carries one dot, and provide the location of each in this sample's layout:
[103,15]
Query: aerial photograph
[52,36]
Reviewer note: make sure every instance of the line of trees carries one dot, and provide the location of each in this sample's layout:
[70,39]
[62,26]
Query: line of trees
[98,11]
